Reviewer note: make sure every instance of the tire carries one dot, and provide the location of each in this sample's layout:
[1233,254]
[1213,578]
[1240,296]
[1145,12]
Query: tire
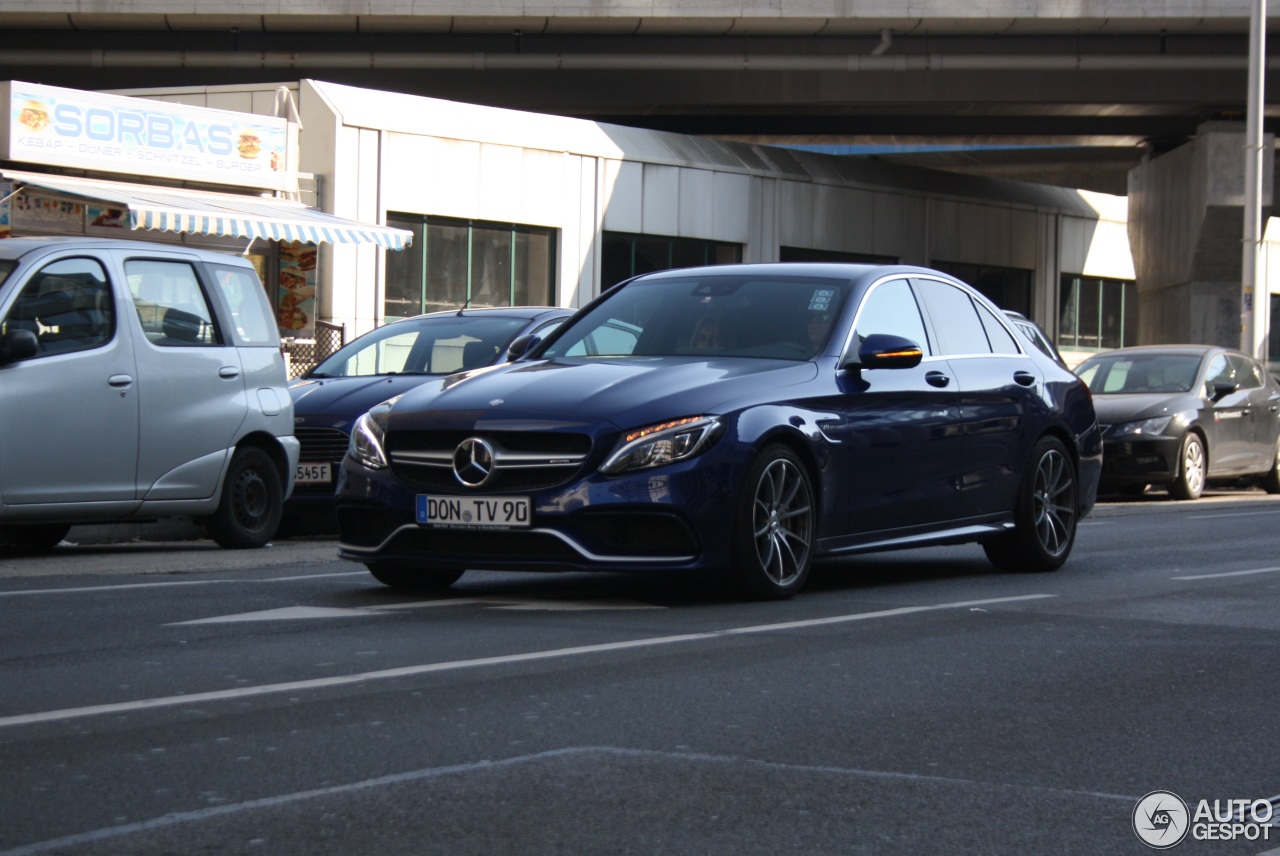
[773,531]
[42,536]
[402,575]
[1192,465]
[1045,514]
[252,499]
[1271,481]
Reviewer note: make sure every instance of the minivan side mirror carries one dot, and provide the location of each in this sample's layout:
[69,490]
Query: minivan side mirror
[885,351]
[18,344]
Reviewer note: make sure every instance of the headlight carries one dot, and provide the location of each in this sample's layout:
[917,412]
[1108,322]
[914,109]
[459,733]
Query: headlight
[1146,427]
[366,439]
[664,443]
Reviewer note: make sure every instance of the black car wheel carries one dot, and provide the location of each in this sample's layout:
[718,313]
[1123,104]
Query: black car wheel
[1045,515]
[1189,482]
[1271,481]
[252,499]
[43,536]
[774,528]
[403,575]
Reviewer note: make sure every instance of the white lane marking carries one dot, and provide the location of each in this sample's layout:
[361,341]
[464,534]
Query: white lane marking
[1231,514]
[128,586]
[1247,573]
[505,659]
[197,815]
[293,613]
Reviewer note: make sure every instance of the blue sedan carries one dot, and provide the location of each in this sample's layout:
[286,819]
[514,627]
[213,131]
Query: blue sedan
[741,419]
[382,364]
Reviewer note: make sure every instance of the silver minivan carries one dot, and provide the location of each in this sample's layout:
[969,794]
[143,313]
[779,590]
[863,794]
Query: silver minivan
[138,381]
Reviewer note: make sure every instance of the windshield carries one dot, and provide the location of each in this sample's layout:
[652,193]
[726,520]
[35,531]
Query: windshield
[1125,373]
[435,346]
[782,317]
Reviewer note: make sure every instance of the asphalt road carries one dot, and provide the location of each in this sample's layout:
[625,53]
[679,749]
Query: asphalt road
[176,698]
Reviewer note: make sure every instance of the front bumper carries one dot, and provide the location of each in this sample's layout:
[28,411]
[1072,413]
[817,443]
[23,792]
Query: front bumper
[1147,461]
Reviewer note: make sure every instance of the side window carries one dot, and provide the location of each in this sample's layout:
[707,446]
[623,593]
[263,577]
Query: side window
[68,305]
[249,308]
[1247,373]
[612,339]
[891,308]
[1219,372]
[1001,341]
[955,319]
[170,303]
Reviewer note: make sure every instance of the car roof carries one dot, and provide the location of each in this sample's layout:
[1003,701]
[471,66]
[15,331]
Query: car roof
[831,270]
[1165,349]
[16,248]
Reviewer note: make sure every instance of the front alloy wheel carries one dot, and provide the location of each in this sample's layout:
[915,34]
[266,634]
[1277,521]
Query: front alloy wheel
[1189,482]
[774,530]
[1045,516]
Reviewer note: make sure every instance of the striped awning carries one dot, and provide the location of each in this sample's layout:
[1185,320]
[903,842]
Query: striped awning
[174,209]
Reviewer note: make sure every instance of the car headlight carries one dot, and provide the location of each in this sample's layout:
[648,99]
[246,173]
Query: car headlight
[366,439]
[1144,427]
[664,443]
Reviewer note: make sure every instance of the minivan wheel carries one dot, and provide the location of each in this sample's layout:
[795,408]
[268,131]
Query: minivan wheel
[43,536]
[252,499]
[774,527]
[403,575]
[1045,514]
[1189,482]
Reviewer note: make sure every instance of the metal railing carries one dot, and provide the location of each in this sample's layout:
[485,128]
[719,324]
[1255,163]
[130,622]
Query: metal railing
[302,355]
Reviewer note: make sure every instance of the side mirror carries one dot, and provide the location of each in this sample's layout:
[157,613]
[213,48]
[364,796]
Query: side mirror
[1223,388]
[18,345]
[883,351]
[522,346]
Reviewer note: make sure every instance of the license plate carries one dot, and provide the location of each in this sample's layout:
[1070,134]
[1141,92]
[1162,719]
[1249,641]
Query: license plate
[313,474]
[488,512]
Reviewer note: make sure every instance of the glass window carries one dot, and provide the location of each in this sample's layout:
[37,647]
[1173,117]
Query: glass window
[1097,313]
[68,305]
[1246,372]
[1002,341]
[249,309]
[439,345]
[1164,373]
[170,303]
[626,255]
[955,319]
[456,263]
[891,308]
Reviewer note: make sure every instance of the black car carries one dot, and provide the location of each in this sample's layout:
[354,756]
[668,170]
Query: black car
[382,364]
[739,419]
[1180,416]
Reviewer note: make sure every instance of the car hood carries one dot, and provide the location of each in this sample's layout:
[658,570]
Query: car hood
[1115,409]
[627,392]
[349,396]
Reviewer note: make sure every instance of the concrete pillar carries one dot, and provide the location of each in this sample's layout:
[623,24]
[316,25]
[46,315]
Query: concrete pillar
[1185,230]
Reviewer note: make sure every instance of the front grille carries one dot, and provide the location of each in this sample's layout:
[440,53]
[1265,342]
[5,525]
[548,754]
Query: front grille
[635,533]
[495,545]
[523,460]
[320,445]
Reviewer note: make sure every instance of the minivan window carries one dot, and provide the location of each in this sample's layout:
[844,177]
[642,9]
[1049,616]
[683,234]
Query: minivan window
[249,310]
[170,303]
[68,305]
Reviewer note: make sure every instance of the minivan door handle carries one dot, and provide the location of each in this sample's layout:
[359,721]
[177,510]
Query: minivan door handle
[229,371]
[936,378]
[1024,378]
[119,380]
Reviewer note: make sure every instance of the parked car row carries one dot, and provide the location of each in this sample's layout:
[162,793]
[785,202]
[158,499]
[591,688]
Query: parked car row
[742,420]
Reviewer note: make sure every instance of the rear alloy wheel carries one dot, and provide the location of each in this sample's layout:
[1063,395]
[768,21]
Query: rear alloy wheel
[252,499]
[1271,481]
[403,575]
[42,536]
[774,528]
[1189,482]
[1045,515]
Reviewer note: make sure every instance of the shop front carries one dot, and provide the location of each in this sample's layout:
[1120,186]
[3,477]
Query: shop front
[86,163]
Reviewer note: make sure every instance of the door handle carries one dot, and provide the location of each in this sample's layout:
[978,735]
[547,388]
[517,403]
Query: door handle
[119,380]
[936,378]
[1024,378]
[229,372]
